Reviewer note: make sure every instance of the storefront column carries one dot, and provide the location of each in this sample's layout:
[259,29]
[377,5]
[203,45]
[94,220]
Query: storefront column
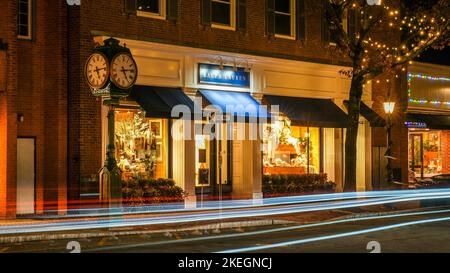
[361,158]
[328,153]
[257,170]
[339,159]
[184,159]
[368,160]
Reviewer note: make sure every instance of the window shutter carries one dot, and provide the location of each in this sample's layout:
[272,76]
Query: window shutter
[172,9]
[301,20]
[130,6]
[206,12]
[325,25]
[352,23]
[270,17]
[241,14]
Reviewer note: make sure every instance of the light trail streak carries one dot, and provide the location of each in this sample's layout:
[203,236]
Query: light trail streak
[336,236]
[209,216]
[237,204]
[268,231]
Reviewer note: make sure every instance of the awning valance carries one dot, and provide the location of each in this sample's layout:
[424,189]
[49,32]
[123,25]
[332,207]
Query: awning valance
[437,122]
[371,116]
[158,102]
[236,104]
[310,112]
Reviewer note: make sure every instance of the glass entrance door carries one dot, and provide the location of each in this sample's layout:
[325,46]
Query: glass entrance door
[416,154]
[427,152]
[213,161]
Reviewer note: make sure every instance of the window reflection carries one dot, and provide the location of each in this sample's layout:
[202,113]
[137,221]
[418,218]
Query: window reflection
[290,149]
[141,145]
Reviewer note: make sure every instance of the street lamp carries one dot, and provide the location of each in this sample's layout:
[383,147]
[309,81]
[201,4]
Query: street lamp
[389,108]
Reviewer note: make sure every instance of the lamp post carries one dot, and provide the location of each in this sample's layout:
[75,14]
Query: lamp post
[389,108]
[111,72]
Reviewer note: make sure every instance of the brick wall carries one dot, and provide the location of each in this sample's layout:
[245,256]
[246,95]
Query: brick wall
[445,142]
[37,89]
[7,114]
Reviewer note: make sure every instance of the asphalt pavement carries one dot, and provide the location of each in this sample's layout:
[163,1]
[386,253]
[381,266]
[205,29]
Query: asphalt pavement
[417,235]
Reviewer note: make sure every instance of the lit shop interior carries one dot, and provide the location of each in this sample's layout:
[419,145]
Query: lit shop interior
[289,149]
[426,152]
[141,145]
[428,121]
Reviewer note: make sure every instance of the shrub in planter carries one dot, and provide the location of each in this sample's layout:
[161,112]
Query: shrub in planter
[296,184]
[146,191]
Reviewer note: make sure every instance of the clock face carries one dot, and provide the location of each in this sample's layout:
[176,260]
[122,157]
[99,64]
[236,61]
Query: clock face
[97,70]
[123,71]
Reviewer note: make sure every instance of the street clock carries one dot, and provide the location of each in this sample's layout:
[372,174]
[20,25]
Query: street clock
[111,70]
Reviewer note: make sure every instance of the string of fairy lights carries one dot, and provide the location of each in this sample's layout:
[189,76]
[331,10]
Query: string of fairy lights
[420,28]
[412,76]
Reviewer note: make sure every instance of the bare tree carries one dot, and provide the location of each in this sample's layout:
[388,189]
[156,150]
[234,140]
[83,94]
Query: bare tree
[404,30]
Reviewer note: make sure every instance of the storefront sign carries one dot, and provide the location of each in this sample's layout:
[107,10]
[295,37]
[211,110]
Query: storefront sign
[228,75]
[416,125]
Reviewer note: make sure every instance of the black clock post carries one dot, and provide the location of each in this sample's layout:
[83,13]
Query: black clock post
[104,83]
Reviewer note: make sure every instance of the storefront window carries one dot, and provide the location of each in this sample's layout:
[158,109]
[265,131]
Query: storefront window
[425,152]
[291,149]
[202,160]
[141,145]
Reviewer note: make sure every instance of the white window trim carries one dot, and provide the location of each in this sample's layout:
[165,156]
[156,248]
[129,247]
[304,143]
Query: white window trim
[161,15]
[30,22]
[293,35]
[232,4]
[345,21]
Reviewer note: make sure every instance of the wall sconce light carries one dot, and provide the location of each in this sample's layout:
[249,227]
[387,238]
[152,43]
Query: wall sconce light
[20,117]
[235,68]
[3,67]
[221,65]
[248,67]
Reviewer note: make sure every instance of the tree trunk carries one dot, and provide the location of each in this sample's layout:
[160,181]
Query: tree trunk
[354,103]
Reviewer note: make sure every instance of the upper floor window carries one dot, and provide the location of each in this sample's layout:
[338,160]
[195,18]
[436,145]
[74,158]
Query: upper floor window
[152,8]
[223,14]
[25,15]
[285,19]
[345,20]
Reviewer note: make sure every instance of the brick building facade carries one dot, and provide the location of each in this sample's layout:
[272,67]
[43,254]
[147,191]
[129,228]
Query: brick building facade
[47,96]
[34,104]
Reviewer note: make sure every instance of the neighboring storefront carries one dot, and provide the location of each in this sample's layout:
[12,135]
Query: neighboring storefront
[307,137]
[428,120]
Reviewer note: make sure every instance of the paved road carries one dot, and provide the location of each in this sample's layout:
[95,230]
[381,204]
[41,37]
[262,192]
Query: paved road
[423,237]
[213,215]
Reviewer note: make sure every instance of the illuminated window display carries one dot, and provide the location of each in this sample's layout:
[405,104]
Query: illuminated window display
[202,175]
[141,145]
[425,152]
[291,149]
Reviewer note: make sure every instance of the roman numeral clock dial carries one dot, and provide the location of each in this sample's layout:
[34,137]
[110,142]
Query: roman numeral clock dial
[123,71]
[97,70]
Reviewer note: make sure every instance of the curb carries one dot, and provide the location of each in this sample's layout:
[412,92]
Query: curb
[86,235]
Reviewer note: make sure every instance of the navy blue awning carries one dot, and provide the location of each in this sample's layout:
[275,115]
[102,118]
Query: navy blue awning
[436,122]
[158,102]
[310,112]
[236,104]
